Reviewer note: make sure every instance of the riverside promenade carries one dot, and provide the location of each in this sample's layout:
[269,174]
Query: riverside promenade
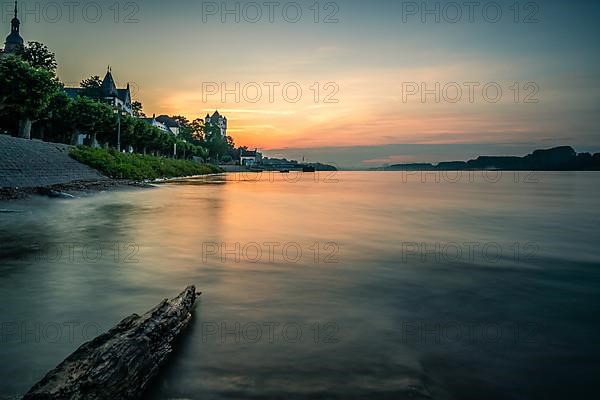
[33,163]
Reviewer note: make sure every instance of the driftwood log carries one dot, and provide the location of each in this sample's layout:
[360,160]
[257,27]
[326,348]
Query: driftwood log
[120,363]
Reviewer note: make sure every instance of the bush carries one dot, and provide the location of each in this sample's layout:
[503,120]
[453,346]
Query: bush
[137,166]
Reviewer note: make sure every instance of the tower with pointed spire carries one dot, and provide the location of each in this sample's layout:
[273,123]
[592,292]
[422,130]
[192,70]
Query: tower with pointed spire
[14,39]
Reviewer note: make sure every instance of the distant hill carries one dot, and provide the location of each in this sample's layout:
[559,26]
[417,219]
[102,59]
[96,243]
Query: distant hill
[562,158]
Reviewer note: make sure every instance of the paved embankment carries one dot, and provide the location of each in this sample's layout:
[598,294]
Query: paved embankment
[33,163]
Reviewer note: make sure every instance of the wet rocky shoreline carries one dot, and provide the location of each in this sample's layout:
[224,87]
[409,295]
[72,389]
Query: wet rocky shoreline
[68,190]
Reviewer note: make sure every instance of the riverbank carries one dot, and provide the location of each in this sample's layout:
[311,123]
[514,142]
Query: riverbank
[26,164]
[71,189]
[140,167]
[33,167]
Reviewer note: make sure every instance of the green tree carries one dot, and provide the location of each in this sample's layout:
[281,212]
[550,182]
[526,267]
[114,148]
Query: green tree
[94,118]
[56,125]
[183,121]
[216,144]
[92,86]
[137,109]
[38,55]
[25,92]
[93,82]
[201,152]
[191,140]
[142,136]
[197,126]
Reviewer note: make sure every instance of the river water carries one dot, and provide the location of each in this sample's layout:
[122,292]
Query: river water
[350,285]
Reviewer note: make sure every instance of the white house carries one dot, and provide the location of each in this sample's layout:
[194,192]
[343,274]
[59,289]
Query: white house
[250,158]
[164,123]
[170,123]
[156,123]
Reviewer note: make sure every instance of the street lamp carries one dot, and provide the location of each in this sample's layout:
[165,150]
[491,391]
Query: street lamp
[118,111]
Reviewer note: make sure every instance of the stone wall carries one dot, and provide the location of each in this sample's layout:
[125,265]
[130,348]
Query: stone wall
[33,163]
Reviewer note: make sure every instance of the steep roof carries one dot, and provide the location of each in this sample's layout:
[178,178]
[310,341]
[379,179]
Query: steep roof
[74,92]
[123,94]
[109,88]
[156,123]
[168,121]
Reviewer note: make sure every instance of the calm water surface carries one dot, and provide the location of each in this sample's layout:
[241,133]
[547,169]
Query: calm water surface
[356,285]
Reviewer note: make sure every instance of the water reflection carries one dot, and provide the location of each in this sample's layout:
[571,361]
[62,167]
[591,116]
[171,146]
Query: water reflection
[385,276]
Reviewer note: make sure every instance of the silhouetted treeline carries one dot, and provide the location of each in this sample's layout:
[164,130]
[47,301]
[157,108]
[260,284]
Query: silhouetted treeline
[562,158]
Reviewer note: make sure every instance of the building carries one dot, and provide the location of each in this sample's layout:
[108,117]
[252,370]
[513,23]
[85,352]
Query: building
[157,124]
[108,91]
[216,120]
[14,39]
[164,123]
[170,123]
[250,158]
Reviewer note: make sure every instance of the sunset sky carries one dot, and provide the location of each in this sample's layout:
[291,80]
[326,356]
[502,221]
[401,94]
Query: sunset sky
[172,52]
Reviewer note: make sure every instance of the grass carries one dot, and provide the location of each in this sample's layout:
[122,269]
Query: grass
[137,166]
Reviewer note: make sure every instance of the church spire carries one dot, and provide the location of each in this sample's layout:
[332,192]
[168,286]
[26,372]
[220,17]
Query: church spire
[14,40]
[15,23]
